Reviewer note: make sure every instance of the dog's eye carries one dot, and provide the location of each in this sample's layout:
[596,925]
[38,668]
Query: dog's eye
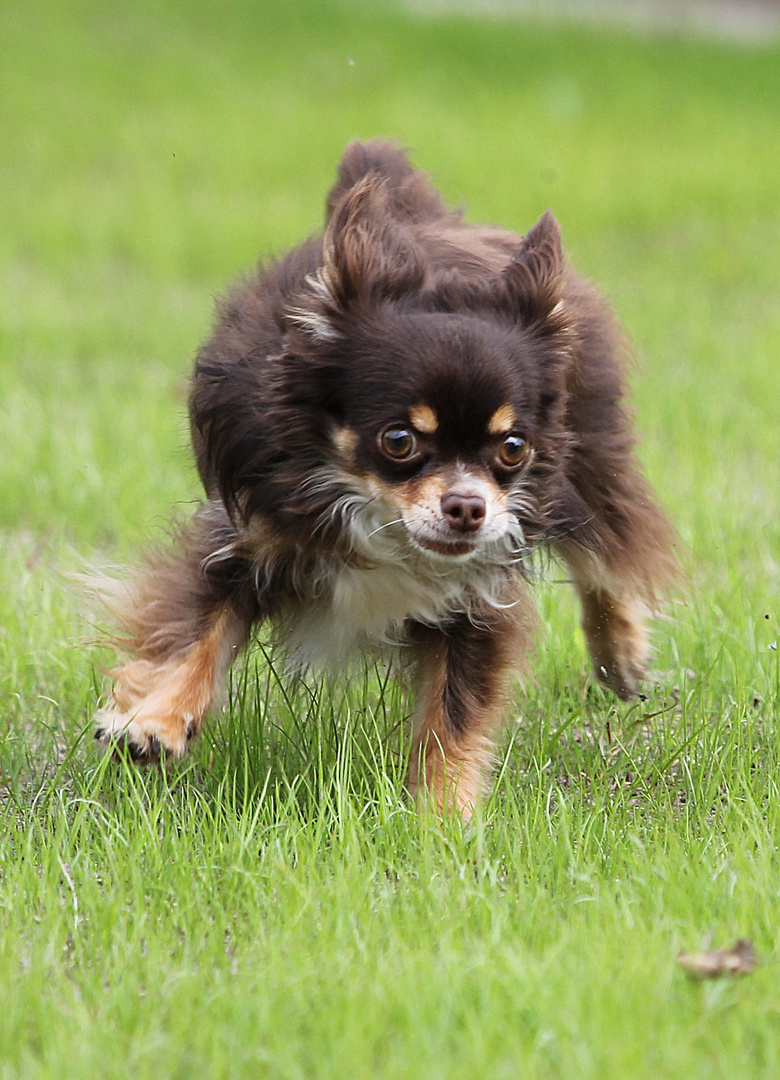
[398,443]
[513,451]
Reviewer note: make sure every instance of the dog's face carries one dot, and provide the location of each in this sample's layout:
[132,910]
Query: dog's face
[439,423]
[434,425]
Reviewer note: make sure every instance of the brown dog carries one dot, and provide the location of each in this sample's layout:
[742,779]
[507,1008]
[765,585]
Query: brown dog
[388,423]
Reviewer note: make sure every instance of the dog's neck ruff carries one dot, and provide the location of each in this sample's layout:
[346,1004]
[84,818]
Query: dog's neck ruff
[346,609]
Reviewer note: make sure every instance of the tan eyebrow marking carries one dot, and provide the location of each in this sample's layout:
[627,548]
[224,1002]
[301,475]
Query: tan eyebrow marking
[502,420]
[424,419]
[345,440]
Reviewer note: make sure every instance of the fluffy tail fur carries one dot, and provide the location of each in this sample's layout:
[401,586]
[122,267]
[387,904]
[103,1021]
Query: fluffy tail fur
[411,196]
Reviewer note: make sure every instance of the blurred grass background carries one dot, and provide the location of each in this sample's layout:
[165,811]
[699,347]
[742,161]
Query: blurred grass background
[149,153]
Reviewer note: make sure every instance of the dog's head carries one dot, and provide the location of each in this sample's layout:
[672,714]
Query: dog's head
[417,402]
[438,398]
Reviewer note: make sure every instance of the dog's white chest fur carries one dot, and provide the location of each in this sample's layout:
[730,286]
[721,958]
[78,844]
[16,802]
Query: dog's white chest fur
[364,608]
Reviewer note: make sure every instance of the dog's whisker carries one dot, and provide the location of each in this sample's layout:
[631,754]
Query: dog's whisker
[387,525]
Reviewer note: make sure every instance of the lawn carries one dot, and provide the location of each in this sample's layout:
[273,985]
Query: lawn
[274,907]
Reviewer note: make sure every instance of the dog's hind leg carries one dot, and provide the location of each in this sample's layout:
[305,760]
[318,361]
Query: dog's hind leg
[182,618]
[464,670]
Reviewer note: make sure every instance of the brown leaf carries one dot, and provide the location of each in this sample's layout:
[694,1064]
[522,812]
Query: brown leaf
[740,959]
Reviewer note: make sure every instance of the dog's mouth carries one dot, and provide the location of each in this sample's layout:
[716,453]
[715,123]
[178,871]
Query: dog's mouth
[449,548]
[448,521]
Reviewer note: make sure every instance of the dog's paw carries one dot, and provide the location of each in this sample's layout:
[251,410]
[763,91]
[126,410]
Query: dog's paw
[146,752]
[621,672]
[144,741]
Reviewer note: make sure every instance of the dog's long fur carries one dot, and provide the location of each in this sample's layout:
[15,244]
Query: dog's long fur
[388,422]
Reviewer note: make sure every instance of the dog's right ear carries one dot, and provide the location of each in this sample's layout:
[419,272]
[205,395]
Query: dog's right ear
[368,253]
[368,256]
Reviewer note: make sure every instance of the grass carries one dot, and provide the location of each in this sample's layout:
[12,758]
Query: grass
[274,908]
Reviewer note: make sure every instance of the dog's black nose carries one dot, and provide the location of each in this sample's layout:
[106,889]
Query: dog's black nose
[463,512]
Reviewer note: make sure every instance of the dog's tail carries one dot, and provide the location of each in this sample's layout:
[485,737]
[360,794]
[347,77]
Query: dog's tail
[412,197]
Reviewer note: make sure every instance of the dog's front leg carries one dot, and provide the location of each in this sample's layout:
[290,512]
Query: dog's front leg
[463,671]
[182,618]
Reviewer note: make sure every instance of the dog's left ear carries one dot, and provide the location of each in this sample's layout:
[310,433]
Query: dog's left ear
[531,286]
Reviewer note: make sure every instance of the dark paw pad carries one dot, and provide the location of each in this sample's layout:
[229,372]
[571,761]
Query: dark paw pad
[121,746]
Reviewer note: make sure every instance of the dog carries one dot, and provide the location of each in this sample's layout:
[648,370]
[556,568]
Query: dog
[389,422]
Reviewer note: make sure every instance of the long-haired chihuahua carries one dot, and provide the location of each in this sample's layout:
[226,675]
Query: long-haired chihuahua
[388,423]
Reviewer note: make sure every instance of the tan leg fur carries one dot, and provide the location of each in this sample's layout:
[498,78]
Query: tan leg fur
[159,705]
